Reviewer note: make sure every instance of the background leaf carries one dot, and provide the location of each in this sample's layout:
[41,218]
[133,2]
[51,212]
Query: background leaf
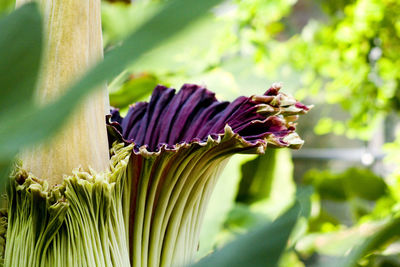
[131,89]
[389,232]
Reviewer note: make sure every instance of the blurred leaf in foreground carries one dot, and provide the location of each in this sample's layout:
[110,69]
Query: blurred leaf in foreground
[6,6]
[262,247]
[20,53]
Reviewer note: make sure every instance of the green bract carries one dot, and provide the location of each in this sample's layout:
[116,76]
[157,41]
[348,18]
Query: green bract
[79,223]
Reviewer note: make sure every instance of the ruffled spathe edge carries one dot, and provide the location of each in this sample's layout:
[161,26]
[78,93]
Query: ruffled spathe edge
[275,108]
[291,140]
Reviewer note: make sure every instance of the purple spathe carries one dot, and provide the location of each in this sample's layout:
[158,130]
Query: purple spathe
[193,114]
[181,142]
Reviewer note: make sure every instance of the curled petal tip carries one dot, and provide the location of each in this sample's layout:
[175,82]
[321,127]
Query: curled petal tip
[294,140]
[276,86]
[274,89]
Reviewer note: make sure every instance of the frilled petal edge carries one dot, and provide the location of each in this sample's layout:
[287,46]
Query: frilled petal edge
[172,121]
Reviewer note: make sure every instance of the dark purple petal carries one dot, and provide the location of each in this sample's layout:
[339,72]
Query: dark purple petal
[195,103]
[134,119]
[202,118]
[115,116]
[158,103]
[194,114]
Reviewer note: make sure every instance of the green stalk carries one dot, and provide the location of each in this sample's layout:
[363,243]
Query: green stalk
[73,43]
[158,228]
[168,192]
[181,215]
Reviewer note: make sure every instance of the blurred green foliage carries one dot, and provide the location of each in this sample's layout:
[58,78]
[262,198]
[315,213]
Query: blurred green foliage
[257,177]
[353,183]
[6,6]
[350,60]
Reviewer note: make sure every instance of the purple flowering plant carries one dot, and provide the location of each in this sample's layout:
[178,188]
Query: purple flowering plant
[181,141]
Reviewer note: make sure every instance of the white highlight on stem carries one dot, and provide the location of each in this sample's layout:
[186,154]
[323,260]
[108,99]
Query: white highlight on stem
[73,43]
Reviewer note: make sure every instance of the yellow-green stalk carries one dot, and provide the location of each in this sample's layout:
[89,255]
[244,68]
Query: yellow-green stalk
[73,43]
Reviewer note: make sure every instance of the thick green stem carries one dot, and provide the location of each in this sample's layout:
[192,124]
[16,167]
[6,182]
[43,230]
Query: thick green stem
[73,41]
